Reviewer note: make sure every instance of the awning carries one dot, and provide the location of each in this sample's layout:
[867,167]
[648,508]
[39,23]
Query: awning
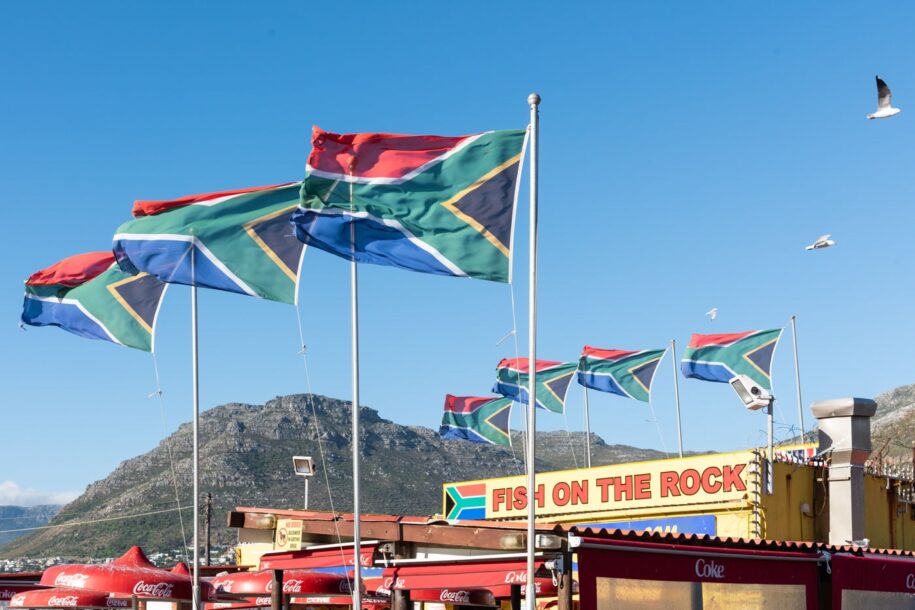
[130,574]
[372,603]
[865,581]
[294,582]
[65,597]
[463,597]
[496,576]
[310,559]
[9,589]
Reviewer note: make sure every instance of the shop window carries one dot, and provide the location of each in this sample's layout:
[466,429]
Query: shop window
[877,600]
[638,594]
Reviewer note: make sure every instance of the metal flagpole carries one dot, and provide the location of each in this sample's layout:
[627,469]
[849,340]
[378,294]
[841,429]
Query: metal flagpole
[770,458]
[354,313]
[195,594]
[531,597]
[797,376]
[587,427]
[673,360]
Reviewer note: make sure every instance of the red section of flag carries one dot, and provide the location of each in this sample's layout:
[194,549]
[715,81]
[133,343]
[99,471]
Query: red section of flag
[151,208]
[521,364]
[73,271]
[465,404]
[377,155]
[698,340]
[471,490]
[606,354]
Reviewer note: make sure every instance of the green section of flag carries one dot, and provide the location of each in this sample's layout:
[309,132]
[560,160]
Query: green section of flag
[751,356]
[552,385]
[632,374]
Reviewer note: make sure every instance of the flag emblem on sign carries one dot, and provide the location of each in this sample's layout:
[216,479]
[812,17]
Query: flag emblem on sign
[241,241]
[465,501]
[481,419]
[722,357]
[621,372]
[433,204]
[553,380]
[89,296]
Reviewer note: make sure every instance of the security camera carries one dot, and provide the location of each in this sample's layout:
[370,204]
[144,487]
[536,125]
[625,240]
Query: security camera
[753,395]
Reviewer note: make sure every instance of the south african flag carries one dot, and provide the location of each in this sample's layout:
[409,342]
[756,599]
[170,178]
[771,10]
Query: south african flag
[481,419]
[434,204]
[622,372]
[553,380]
[89,296]
[722,357]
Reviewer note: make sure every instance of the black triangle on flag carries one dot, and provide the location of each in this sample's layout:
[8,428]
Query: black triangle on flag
[499,419]
[560,385]
[644,373]
[275,235]
[762,356]
[140,296]
[486,206]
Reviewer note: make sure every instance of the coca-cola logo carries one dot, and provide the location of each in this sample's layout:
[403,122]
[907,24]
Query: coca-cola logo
[455,597]
[262,601]
[516,577]
[225,585]
[17,602]
[66,601]
[389,583]
[76,580]
[293,585]
[6,594]
[115,602]
[910,582]
[709,569]
[153,589]
[345,587]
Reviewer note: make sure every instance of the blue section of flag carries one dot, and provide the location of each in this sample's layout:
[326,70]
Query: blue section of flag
[463,434]
[376,242]
[700,524]
[706,371]
[68,316]
[474,513]
[603,383]
[170,261]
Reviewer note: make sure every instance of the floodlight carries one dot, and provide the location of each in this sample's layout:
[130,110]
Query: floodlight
[753,395]
[303,465]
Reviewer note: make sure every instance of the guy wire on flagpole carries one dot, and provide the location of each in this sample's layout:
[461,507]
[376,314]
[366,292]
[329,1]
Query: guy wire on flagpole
[587,428]
[354,313]
[530,594]
[195,595]
[673,360]
[797,376]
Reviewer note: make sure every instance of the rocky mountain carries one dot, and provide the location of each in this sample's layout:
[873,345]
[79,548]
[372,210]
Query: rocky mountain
[21,517]
[893,427]
[246,461]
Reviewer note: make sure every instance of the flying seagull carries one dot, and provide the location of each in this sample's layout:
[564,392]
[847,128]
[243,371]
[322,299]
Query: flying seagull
[712,313]
[822,241]
[884,102]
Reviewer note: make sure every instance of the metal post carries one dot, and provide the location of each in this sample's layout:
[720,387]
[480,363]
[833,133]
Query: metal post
[797,376]
[673,361]
[306,492]
[276,593]
[530,594]
[195,382]
[206,528]
[354,312]
[587,427]
[770,456]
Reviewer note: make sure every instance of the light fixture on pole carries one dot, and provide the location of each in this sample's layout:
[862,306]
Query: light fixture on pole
[755,397]
[304,466]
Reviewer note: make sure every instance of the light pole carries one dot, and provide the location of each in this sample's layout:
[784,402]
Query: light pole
[755,397]
[304,466]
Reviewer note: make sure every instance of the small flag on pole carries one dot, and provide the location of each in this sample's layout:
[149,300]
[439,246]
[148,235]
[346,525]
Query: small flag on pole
[89,296]
[433,204]
[242,241]
[722,357]
[553,381]
[621,372]
[481,419]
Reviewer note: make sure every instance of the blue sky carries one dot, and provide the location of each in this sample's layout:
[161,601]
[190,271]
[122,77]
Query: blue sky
[688,152]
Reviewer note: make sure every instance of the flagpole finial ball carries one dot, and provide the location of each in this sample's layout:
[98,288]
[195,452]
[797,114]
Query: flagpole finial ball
[533,99]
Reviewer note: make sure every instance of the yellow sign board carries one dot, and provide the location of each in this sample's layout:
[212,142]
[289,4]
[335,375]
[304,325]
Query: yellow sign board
[288,535]
[691,483]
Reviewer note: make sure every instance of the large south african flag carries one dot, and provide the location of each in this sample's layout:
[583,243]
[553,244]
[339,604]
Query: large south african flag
[434,204]
[621,372]
[481,419]
[722,357]
[553,380]
[89,296]
[241,240]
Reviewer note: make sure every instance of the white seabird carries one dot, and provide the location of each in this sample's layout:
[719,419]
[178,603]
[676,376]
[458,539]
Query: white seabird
[884,102]
[822,241]
[712,313]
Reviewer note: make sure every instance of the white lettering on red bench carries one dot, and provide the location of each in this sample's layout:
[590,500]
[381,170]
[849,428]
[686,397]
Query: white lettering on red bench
[709,569]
